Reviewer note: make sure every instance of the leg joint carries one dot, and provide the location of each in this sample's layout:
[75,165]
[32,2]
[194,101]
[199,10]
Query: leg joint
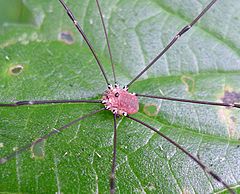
[185,29]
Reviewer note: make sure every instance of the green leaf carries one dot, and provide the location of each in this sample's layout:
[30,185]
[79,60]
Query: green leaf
[44,58]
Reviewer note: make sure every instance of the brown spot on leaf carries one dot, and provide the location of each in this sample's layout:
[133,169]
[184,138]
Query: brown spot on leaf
[15,70]
[151,109]
[189,82]
[231,97]
[230,121]
[227,115]
[66,37]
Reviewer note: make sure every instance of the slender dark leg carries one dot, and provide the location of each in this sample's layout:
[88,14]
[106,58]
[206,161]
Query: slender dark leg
[191,101]
[107,40]
[54,131]
[112,176]
[34,102]
[205,168]
[179,34]
[75,22]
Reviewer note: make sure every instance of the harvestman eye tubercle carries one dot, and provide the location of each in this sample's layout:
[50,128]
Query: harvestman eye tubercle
[122,103]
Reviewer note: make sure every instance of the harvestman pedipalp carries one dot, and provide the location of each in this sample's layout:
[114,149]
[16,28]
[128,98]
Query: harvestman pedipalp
[120,101]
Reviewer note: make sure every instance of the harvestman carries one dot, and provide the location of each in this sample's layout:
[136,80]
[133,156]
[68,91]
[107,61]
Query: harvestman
[119,101]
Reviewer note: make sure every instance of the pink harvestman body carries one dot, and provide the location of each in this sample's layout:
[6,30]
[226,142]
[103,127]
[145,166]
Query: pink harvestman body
[120,101]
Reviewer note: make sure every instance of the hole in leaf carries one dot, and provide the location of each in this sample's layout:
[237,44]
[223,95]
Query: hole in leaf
[66,37]
[16,70]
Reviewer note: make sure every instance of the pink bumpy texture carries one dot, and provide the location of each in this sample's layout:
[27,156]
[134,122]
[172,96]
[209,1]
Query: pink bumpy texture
[120,101]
